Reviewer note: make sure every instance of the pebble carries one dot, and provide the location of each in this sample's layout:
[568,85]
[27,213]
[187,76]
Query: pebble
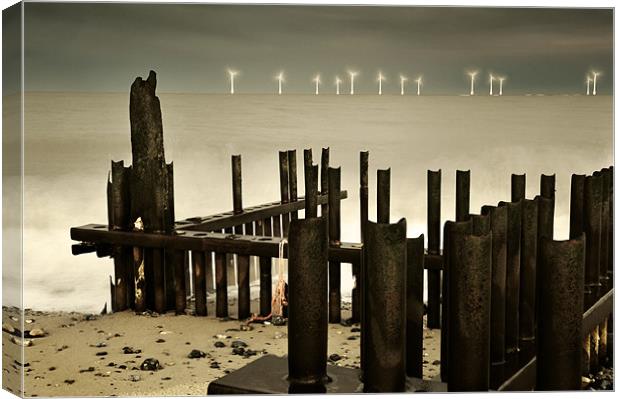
[37,332]
[278,321]
[69,381]
[88,370]
[100,345]
[279,335]
[196,354]
[355,329]
[436,362]
[352,338]
[214,365]
[8,328]
[150,364]
[334,357]
[238,344]
[160,340]
[128,350]
[219,344]
[222,336]
[21,342]
[103,353]
[245,327]
[238,351]
[134,378]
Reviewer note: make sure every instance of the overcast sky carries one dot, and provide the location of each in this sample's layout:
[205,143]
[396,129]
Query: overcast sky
[96,47]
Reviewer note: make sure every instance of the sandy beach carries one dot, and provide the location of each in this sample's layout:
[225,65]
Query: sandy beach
[101,355]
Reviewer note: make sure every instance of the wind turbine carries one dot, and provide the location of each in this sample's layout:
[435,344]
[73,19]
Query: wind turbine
[595,75]
[491,78]
[232,75]
[501,85]
[403,79]
[338,81]
[352,75]
[280,79]
[380,79]
[419,82]
[317,82]
[472,75]
[588,80]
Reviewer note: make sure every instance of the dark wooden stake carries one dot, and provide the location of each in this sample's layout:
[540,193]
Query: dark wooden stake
[221,286]
[462,195]
[334,240]
[517,187]
[324,179]
[433,181]
[292,178]
[415,306]
[383,195]
[284,189]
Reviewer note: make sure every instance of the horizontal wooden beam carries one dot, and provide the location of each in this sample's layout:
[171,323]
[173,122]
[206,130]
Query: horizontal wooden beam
[188,240]
[598,313]
[251,214]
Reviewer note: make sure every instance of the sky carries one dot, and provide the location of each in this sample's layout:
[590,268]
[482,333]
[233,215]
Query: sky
[103,47]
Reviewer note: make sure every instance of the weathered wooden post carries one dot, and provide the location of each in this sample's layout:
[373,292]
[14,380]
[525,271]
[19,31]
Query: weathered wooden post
[265,274]
[577,223]
[470,310]
[527,291]
[559,335]
[357,274]
[383,195]
[433,182]
[334,239]
[499,228]
[119,219]
[307,323]
[221,286]
[513,279]
[200,283]
[284,189]
[292,179]
[324,178]
[243,261]
[604,260]
[311,182]
[547,190]
[149,183]
[450,229]
[462,195]
[517,187]
[384,309]
[415,306]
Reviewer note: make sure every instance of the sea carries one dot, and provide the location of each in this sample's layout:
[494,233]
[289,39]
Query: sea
[70,139]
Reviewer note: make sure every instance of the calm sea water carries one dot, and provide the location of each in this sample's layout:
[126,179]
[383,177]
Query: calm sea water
[71,138]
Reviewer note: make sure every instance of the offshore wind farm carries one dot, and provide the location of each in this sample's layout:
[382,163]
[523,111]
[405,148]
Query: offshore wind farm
[382,80]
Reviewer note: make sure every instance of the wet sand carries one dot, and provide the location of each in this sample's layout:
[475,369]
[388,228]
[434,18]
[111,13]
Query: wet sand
[84,355]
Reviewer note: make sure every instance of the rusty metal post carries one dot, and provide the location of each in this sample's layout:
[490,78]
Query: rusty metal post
[527,291]
[334,240]
[384,309]
[592,218]
[324,178]
[292,178]
[559,335]
[470,310]
[415,306]
[311,182]
[307,323]
[462,195]
[284,189]
[499,228]
[221,286]
[547,190]
[517,187]
[450,228]
[383,195]
[433,203]
[265,274]
[513,279]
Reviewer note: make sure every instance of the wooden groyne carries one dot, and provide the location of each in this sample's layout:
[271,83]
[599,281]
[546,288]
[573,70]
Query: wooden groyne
[517,309]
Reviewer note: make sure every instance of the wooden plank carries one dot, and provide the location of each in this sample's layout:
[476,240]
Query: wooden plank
[522,380]
[598,313]
[249,214]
